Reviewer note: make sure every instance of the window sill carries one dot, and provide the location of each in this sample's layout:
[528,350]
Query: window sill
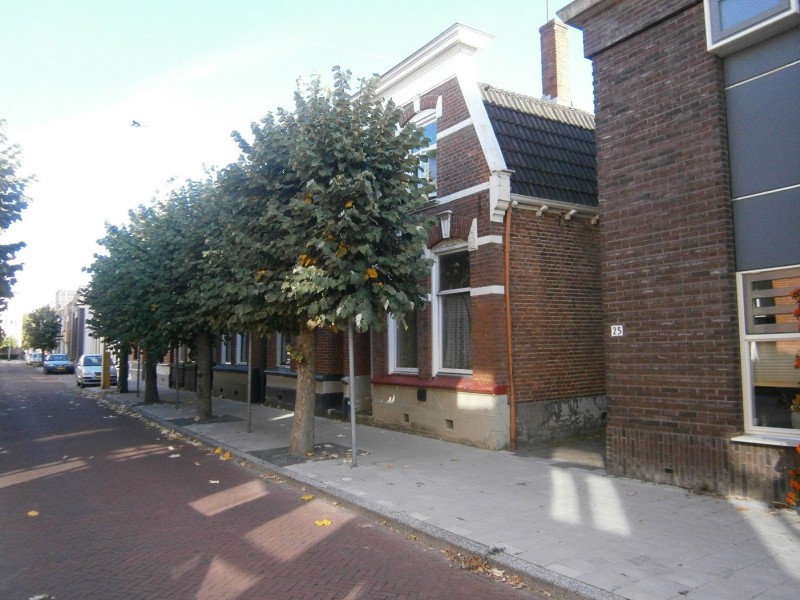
[760,439]
[442,382]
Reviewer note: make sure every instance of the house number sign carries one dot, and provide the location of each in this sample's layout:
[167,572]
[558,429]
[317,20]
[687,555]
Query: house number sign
[616,331]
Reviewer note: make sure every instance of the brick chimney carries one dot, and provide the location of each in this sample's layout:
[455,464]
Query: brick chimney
[555,61]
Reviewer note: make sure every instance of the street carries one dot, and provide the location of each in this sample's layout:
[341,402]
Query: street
[97,504]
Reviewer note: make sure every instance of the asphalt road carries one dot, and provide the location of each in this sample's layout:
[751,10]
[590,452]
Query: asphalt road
[98,504]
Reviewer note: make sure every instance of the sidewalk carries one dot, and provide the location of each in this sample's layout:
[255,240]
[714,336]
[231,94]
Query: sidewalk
[550,516]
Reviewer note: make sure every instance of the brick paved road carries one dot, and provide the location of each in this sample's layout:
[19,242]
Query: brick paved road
[94,504]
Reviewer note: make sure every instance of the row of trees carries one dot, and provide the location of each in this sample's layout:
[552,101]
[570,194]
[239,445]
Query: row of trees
[12,202]
[316,225]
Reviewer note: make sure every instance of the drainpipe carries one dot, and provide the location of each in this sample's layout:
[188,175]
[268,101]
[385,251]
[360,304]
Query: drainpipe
[512,399]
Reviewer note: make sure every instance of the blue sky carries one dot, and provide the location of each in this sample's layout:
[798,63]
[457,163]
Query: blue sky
[77,72]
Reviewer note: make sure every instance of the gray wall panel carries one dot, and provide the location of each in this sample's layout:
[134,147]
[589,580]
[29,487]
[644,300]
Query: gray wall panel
[763,125]
[767,230]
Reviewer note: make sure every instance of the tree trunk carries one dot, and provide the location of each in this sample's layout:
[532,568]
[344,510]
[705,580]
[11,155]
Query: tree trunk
[150,381]
[303,425]
[123,370]
[204,373]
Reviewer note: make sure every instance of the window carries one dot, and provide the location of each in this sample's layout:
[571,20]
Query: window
[453,312]
[283,350]
[770,349]
[734,24]
[242,348]
[226,350]
[403,344]
[428,169]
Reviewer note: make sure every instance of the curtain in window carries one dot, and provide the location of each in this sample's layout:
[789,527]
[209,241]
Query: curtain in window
[456,331]
[406,343]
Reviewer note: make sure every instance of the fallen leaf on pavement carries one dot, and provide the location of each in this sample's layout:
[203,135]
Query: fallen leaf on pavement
[33,513]
[307,497]
[322,523]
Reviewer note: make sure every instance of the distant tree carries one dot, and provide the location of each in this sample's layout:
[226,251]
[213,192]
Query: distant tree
[12,202]
[41,328]
[140,290]
[7,344]
[185,220]
[127,295]
[323,224]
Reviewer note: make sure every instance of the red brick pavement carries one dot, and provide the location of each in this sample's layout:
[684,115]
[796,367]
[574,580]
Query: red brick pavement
[124,512]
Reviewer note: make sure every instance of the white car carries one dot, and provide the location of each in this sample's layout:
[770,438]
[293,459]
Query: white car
[89,368]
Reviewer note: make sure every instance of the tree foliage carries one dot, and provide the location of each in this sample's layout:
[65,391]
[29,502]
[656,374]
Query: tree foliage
[12,202]
[41,328]
[317,225]
[126,294]
[139,289]
[326,230]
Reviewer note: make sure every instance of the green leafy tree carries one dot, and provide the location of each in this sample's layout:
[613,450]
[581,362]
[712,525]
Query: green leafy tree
[324,228]
[12,202]
[41,328]
[126,294]
[140,289]
[185,220]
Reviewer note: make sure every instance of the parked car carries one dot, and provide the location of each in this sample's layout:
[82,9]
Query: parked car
[34,359]
[58,363]
[89,368]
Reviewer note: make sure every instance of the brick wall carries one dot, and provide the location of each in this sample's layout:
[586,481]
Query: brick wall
[557,312]
[329,352]
[361,353]
[673,379]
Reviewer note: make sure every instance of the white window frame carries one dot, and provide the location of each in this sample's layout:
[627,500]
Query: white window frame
[225,349]
[394,325]
[759,27]
[242,348]
[777,435]
[281,342]
[450,247]
[422,119]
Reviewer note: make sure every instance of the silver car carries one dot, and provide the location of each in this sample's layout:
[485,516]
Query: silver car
[89,368]
[58,363]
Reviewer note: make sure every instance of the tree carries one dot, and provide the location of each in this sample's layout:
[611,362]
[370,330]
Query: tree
[140,289]
[41,328]
[12,202]
[185,220]
[325,224]
[127,295]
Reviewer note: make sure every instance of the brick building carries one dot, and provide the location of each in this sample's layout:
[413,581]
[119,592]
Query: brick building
[507,168]
[698,142]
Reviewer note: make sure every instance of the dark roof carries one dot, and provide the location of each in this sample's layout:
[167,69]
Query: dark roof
[550,147]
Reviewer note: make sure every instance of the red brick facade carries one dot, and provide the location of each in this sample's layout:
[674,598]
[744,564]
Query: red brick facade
[557,315]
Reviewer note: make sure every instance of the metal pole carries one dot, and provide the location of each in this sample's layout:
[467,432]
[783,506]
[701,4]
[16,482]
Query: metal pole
[249,383]
[177,392]
[351,391]
[138,367]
